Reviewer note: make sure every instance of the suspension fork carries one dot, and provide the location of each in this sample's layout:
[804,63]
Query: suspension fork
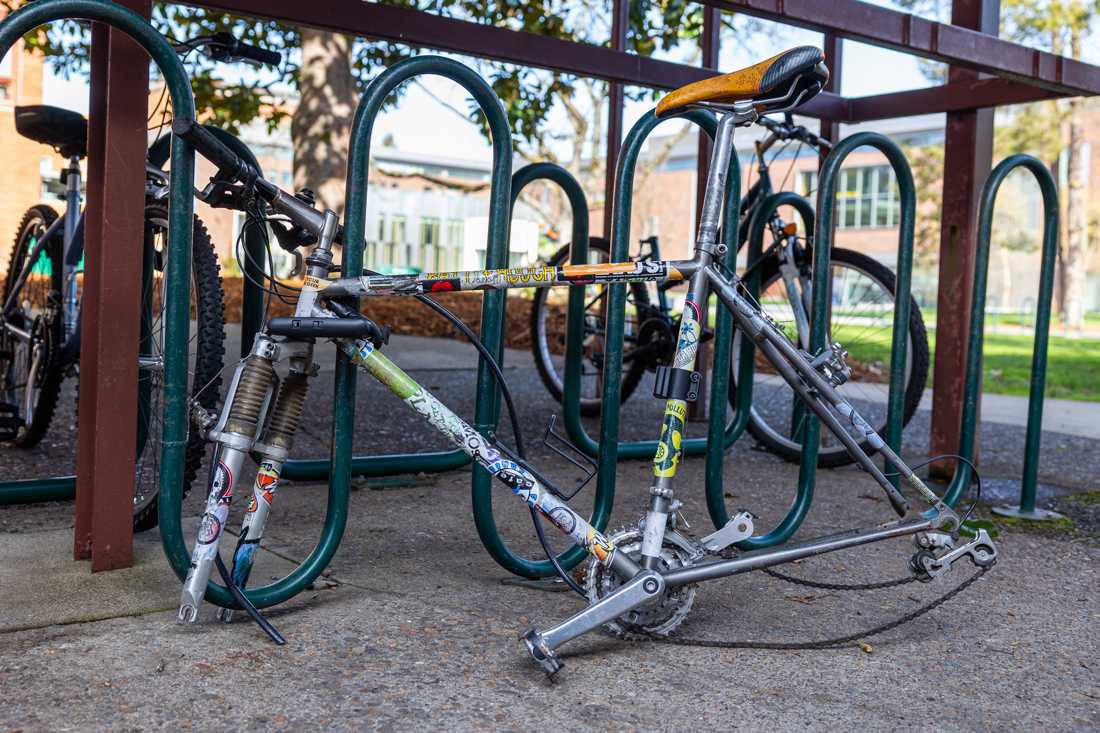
[271,451]
[246,406]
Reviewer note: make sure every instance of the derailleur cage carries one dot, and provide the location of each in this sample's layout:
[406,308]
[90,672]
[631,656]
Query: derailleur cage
[927,566]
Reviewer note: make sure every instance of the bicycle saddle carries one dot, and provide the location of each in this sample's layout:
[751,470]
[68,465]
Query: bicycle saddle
[785,80]
[64,130]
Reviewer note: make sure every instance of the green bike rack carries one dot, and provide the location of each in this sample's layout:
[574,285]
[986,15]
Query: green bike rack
[963,474]
[63,488]
[492,317]
[822,251]
[605,488]
[715,489]
[616,313]
[823,245]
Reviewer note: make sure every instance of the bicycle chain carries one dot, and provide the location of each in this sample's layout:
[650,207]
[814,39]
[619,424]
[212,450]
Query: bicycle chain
[636,633]
[639,634]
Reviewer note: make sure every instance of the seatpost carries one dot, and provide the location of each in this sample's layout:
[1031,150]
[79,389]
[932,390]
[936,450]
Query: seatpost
[681,379]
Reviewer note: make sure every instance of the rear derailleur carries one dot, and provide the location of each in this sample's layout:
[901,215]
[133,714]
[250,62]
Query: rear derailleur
[938,552]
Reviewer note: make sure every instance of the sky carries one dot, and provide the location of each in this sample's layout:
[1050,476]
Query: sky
[421,124]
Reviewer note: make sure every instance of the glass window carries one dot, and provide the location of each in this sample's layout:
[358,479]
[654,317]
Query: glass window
[429,230]
[867,197]
[397,228]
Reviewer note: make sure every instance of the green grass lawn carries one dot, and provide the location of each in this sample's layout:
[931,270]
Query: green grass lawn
[1073,365]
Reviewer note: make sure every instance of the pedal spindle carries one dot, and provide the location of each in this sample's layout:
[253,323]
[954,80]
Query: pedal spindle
[288,410]
[248,402]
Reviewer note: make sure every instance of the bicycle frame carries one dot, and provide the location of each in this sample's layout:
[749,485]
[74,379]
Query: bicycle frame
[811,376]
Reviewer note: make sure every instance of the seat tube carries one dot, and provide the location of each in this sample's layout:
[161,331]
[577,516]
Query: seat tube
[670,442]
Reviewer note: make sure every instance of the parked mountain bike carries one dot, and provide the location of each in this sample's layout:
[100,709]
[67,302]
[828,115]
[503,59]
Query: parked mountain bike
[861,316]
[641,581]
[41,298]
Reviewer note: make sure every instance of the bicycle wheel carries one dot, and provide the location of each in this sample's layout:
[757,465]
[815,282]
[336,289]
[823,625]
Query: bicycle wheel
[206,352]
[30,334]
[862,319]
[548,323]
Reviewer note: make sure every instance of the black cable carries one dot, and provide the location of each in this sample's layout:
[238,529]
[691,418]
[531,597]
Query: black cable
[247,605]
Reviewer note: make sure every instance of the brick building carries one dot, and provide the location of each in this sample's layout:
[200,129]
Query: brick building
[21,79]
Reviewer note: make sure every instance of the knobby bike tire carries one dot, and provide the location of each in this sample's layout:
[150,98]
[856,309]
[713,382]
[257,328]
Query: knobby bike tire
[919,357]
[548,373]
[209,302]
[53,373]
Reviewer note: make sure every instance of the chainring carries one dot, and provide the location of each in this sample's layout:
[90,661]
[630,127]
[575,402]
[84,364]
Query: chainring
[659,617]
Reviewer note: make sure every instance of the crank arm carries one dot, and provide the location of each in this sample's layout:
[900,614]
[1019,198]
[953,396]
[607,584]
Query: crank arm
[643,587]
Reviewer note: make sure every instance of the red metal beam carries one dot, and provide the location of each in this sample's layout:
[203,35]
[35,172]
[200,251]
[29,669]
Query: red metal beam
[968,157]
[421,29]
[956,96]
[950,43]
[111,298]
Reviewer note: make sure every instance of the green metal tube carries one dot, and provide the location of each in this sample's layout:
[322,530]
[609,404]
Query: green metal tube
[716,505]
[826,197]
[496,256]
[492,315]
[605,490]
[32,491]
[973,383]
[608,449]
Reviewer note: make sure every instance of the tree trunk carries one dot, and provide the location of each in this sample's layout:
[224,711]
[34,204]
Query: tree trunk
[321,126]
[1074,248]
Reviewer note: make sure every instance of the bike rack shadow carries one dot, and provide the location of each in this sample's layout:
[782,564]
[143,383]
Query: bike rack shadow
[63,488]
[963,473]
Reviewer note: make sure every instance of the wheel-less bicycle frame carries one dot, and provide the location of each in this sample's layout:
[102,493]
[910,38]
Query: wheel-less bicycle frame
[241,427]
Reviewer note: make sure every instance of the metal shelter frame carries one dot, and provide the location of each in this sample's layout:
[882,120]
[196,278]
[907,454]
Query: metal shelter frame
[985,72]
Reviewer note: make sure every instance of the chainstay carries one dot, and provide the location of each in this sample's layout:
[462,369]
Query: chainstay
[639,634]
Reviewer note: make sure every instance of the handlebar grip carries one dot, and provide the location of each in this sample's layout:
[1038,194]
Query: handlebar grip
[295,327]
[213,149]
[255,53]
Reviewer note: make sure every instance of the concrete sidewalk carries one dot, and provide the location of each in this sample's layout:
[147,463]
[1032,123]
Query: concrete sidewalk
[413,630]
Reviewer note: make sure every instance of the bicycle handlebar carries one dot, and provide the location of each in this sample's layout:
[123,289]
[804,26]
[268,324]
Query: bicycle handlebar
[788,131]
[228,163]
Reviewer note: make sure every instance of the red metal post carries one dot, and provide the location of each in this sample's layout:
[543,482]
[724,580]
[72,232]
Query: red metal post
[111,298]
[968,158]
[834,59]
[620,21]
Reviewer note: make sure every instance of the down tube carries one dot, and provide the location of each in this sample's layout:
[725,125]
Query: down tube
[474,444]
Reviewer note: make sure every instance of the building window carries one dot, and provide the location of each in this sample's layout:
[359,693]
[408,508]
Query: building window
[867,196]
[429,243]
[456,233]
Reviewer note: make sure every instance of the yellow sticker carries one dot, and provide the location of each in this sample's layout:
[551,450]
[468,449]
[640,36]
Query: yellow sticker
[315,283]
